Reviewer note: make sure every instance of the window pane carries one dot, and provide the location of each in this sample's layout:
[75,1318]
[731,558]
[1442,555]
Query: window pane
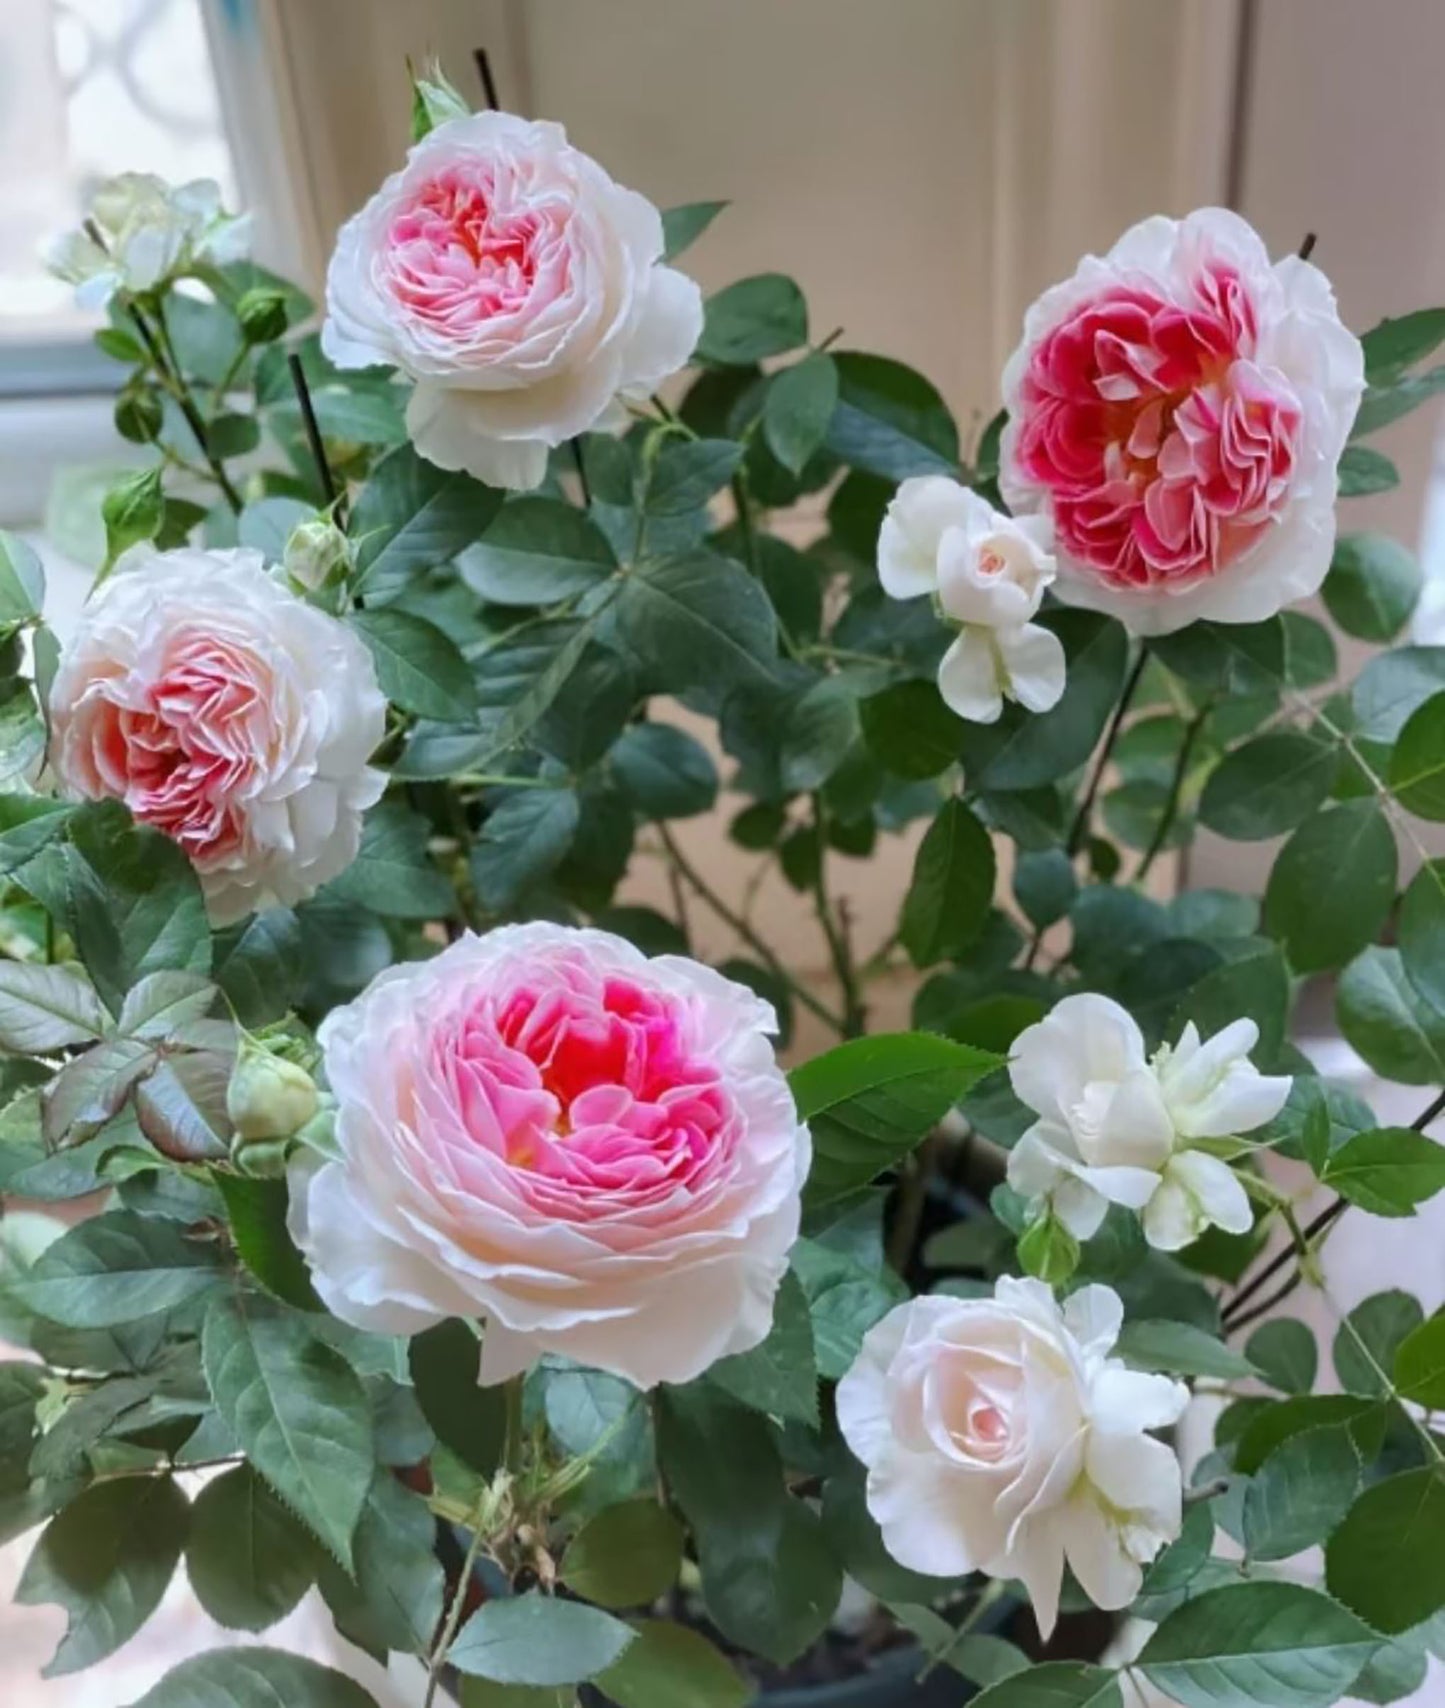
[91,88]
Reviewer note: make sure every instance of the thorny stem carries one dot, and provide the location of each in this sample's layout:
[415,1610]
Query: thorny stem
[839,950]
[162,357]
[455,1611]
[1176,786]
[1079,828]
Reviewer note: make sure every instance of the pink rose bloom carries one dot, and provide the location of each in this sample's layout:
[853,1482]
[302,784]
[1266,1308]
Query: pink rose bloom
[521,289]
[1179,408]
[594,1151]
[228,714]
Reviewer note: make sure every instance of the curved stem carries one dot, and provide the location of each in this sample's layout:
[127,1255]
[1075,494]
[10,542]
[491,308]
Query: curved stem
[704,891]
[1079,828]
[839,949]
[168,371]
[454,1614]
[1176,786]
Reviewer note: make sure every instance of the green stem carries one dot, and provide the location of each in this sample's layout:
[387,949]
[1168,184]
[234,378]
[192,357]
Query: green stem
[1079,828]
[168,371]
[516,1433]
[705,893]
[454,1613]
[839,950]
[1176,786]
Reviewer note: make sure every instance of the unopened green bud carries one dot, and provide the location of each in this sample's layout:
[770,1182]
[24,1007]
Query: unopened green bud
[262,314]
[317,554]
[268,1097]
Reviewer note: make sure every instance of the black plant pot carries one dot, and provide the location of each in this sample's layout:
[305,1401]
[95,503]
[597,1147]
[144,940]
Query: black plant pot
[892,1681]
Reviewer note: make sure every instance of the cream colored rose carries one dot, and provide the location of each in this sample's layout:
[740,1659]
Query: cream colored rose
[1000,1437]
[521,289]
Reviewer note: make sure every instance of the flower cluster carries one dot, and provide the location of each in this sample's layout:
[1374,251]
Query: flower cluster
[1116,1127]
[987,574]
[142,232]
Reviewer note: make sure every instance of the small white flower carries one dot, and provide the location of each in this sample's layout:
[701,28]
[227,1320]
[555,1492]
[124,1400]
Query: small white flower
[1000,1437]
[987,573]
[1115,1128]
[149,231]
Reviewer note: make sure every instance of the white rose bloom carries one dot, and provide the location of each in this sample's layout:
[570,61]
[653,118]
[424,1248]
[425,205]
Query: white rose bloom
[987,573]
[1115,1128]
[520,288]
[227,713]
[1000,1437]
[149,231]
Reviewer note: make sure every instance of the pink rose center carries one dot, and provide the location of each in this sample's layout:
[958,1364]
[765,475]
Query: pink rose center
[457,257]
[181,751]
[1165,450]
[589,1090]
[990,562]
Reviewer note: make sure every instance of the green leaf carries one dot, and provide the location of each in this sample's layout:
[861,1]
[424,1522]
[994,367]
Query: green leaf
[1254,982]
[798,407]
[1300,1493]
[1332,885]
[1420,1364]
[952,886]
[518,680]
[134,903]
[1397,344]
[1268,786]
[1417,765]
[1023,749]
[114,1268]
[253,1678]
[248,1560]
[266,524]
[769,1580]
[663,771]
[869,1101]
[259,965]
[698,620]
[890,420]
[846,1298]
[45,1008]
[1391,686]
[687,473]
[1231,658]
[297,1409]
[1373,586]
[524,839]
[1045,884]
[394,1596]
[417,667]
[764,315]
[1387,1171]
[537,551]
[1277,1421]
[107,1560]
[683,225]
[1382,1016]
[1385,1561]
[1284,1354]
[1386,403]
[1363,471]
[392,873]
[820,729]
[624,1556]
[1054,1684]
[1157,1344]
[1047,1250]
[469,1420]
[911,730]
[22,581]
[675,1665]
[257,1210]
[1421,933]
[412,516]
[1274,1645]
[536,1639]
[779,1377]
[1370,1336]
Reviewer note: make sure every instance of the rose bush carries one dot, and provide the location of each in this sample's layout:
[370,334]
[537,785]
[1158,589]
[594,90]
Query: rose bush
[439,1229]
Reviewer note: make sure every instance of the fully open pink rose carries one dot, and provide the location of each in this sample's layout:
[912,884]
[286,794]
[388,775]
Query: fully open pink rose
[227,713]
[594,1151]
[521,289]
[1179,407]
